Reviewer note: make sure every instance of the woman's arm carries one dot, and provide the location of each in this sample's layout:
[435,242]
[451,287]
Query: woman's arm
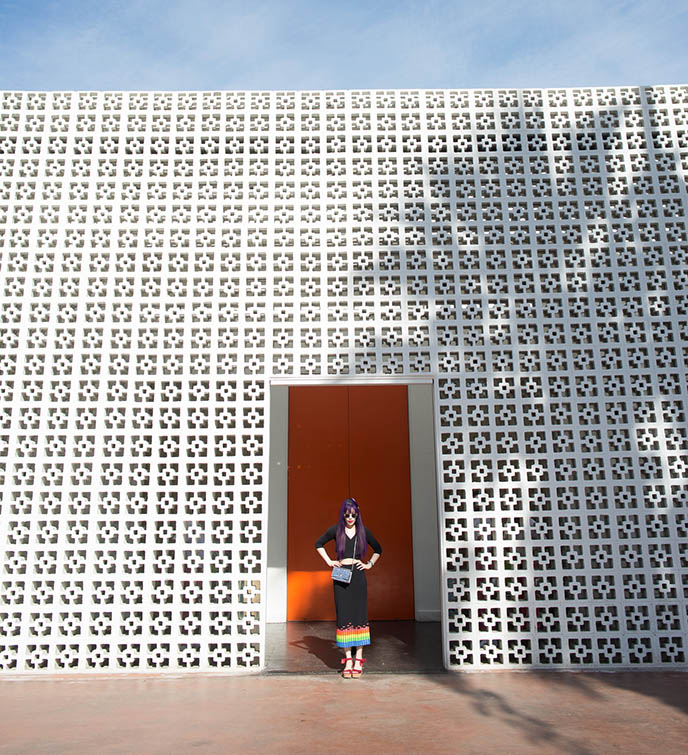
[327,559]
[367,565]
[377,551]
[326,536]
[319,546]
[373,543]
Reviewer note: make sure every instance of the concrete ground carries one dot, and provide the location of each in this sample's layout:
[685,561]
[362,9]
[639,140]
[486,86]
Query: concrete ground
[308,647]
[500,712]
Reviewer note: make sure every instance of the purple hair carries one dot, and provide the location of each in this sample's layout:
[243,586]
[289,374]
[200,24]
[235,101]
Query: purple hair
[350,504]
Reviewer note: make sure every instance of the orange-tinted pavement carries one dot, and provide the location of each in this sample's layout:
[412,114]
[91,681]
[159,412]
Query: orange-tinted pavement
[459,713]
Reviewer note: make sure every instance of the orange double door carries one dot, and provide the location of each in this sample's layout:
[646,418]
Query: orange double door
[349,441]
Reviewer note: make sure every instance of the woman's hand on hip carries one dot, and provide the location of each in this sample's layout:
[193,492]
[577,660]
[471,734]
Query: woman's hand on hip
[335,563]
[360,565]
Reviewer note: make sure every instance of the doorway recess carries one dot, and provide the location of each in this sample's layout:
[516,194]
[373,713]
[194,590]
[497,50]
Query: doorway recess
[349,441]
[351,428]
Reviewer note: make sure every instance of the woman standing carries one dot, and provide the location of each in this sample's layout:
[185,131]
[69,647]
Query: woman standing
[351,599]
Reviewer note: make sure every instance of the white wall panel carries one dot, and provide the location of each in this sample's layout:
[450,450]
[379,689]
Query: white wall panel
[164,255]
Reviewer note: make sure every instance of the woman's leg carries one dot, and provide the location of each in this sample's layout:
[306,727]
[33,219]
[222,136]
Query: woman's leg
[348,665]
[358,661]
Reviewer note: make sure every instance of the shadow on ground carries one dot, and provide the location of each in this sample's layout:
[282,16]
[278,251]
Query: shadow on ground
[397,647]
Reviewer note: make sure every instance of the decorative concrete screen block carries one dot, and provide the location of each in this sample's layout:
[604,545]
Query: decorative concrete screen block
[163,256]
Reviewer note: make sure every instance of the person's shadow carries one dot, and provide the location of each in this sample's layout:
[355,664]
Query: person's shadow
[324,650]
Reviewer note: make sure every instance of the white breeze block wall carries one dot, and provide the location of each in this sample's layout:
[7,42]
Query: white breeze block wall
[165,255]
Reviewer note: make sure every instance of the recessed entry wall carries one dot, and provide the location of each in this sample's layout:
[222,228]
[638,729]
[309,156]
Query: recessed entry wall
[395,475]
[349,441]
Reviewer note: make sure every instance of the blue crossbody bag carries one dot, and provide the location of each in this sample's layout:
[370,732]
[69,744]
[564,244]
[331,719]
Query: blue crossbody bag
[341,573]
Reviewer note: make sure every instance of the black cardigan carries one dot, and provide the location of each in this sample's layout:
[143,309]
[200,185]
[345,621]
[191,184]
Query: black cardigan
[331,534]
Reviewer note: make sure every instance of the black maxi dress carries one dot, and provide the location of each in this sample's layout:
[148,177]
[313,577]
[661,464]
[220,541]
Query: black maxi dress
[351,600]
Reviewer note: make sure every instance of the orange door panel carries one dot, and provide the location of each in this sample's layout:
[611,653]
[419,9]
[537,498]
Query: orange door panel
[380,482]
[349,441]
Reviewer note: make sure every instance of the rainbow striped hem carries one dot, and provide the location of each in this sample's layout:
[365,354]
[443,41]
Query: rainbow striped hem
[353,636]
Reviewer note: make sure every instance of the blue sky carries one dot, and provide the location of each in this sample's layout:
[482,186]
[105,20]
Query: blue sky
[318,44]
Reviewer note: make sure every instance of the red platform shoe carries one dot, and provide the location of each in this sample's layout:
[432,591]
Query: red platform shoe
[357,673]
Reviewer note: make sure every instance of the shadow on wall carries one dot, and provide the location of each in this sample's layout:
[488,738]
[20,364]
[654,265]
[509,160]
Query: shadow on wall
[535,261]
[543,290]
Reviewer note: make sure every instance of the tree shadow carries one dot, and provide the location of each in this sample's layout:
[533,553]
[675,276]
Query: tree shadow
[487,703]
[669,687]
[533,269]
[534,247]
